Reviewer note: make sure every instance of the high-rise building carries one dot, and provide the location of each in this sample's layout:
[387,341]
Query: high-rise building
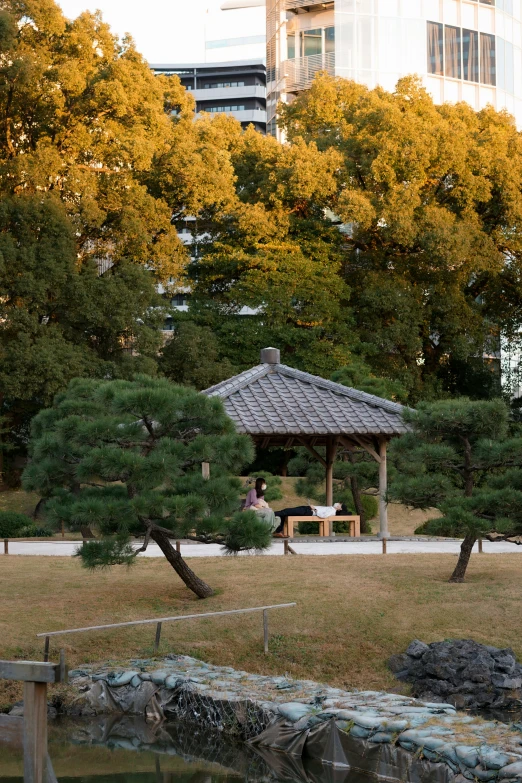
[234,88]
[464,50]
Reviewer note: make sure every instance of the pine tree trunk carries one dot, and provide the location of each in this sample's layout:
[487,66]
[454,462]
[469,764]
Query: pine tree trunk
[359,508]
[186,574]
[356,494]
[465,554]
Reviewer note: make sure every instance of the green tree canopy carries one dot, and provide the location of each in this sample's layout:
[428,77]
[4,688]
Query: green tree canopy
[430,199]
[463,458]
[60,319]
[191,356]
[126,457]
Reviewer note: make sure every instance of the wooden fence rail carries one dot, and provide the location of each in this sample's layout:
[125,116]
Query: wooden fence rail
[158,621]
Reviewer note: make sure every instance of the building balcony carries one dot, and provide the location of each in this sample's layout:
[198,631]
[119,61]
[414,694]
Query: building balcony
[297,5]
[229,93]
[298,74]
[248,115]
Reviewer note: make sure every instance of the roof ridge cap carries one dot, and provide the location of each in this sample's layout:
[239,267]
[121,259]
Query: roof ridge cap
[237,382]
[347,391]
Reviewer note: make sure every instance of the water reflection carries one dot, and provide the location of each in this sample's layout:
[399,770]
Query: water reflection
[112,749]
[119,749]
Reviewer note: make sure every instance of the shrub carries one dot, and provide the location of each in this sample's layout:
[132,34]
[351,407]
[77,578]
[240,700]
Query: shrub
[34,531]
[12,522]
[370,505]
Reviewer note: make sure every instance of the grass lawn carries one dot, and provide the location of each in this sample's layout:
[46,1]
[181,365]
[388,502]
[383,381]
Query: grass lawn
[353,611]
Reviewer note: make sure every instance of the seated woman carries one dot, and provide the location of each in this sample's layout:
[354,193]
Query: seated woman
[255,501]
[323,512]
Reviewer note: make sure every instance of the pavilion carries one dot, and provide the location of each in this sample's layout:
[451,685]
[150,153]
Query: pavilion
[280,406]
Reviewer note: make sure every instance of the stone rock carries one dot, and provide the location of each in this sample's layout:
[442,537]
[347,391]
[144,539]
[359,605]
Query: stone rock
[469,674]
[417,649]
[399,663]
[511,770]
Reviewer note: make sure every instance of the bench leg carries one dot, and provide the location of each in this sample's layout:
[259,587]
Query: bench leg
[285,528]
[290,529]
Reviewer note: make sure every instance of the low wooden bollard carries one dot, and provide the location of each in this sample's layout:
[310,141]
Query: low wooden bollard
[178,546]
[480,546]
[384,546]
[6,546]
[35,676]
[285,545]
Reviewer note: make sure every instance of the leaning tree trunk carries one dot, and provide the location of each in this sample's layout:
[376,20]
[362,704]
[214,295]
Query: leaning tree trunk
[186,574]
[356,494]
[465,554]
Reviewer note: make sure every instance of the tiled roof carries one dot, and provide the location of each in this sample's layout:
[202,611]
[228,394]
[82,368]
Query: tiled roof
[273,399]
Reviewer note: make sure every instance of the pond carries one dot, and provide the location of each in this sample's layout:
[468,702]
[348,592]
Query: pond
[112,749]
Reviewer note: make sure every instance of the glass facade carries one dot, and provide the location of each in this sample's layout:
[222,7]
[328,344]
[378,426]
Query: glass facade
[464,50]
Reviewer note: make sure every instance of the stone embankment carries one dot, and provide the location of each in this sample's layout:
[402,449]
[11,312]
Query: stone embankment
[366,730]
[463,672]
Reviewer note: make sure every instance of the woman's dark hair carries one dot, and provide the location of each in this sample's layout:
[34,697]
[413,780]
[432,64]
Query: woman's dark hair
[259,484]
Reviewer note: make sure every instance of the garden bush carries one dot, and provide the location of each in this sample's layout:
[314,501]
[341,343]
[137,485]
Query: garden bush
[12,522]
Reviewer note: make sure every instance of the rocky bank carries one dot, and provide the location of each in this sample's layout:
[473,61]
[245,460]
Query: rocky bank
[367,730]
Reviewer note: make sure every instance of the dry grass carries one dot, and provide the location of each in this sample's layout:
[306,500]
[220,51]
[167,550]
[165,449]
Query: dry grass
[353,611]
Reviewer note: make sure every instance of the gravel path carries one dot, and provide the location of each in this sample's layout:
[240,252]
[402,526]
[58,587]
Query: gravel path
[394,547]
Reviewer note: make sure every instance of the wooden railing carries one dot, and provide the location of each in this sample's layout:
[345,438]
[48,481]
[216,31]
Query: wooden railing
[158,621]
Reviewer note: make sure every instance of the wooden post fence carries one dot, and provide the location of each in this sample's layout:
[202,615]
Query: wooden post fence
[31,732]
[158,622]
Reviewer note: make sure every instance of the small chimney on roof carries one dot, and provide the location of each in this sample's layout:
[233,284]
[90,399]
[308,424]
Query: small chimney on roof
[270,356]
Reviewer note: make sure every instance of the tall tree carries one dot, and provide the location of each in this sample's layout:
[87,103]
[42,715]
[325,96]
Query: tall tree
[461,458]
[126,457]
[59,319]
[262,242]
[430,196]
[83,116]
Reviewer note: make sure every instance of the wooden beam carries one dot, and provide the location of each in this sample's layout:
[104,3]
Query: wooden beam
[331,451]
[29,671]
[312,451]
[371,451]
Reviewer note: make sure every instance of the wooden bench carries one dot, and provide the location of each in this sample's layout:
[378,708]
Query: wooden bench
[325,525]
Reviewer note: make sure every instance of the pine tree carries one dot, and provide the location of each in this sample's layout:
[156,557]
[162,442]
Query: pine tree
[464,458]
[126,456]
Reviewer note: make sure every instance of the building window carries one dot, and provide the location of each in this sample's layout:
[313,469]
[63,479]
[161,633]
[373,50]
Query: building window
[487,59]
[460,54]
[470,55]
[290,46]
[329,39]
[452,51]
[311,42]
[223,84]
[218,109]
[435,49]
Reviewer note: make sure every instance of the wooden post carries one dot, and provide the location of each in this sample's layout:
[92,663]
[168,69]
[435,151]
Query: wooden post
[6,546]
[331,451]
[46,649]
[384,546]
[35,732]
[178,546]
[63,529]
[285,545]
[480,546]
[158,637]
[265,630]
[383,487]
[205,470]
